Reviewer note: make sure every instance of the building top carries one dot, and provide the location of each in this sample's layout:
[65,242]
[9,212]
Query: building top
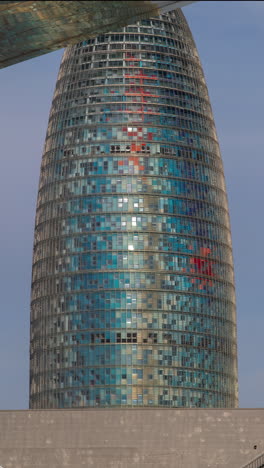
[29,29]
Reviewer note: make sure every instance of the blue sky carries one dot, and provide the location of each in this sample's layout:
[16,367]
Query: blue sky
[229,36]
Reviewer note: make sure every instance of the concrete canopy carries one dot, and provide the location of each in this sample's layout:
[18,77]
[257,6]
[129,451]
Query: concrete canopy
[29,29]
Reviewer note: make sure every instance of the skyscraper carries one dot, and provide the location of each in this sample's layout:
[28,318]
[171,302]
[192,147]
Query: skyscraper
[132,288]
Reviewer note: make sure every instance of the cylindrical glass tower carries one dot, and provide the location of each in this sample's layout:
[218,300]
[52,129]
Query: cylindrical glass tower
[133,292]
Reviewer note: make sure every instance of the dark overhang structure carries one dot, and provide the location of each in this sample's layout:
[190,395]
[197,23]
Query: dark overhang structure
[29,29]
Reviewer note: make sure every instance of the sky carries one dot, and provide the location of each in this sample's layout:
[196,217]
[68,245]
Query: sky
[230,37]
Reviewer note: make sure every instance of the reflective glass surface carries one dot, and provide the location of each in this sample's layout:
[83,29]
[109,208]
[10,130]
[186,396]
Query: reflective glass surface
[133,297]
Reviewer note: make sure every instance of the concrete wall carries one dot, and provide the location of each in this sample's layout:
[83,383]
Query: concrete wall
[130,438]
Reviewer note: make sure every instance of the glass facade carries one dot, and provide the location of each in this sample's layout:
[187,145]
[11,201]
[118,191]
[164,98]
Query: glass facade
[133,298]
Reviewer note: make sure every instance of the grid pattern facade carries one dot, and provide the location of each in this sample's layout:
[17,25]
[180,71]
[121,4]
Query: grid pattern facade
[133,298]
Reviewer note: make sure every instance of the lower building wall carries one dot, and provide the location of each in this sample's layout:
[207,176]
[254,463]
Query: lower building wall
[134,438]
